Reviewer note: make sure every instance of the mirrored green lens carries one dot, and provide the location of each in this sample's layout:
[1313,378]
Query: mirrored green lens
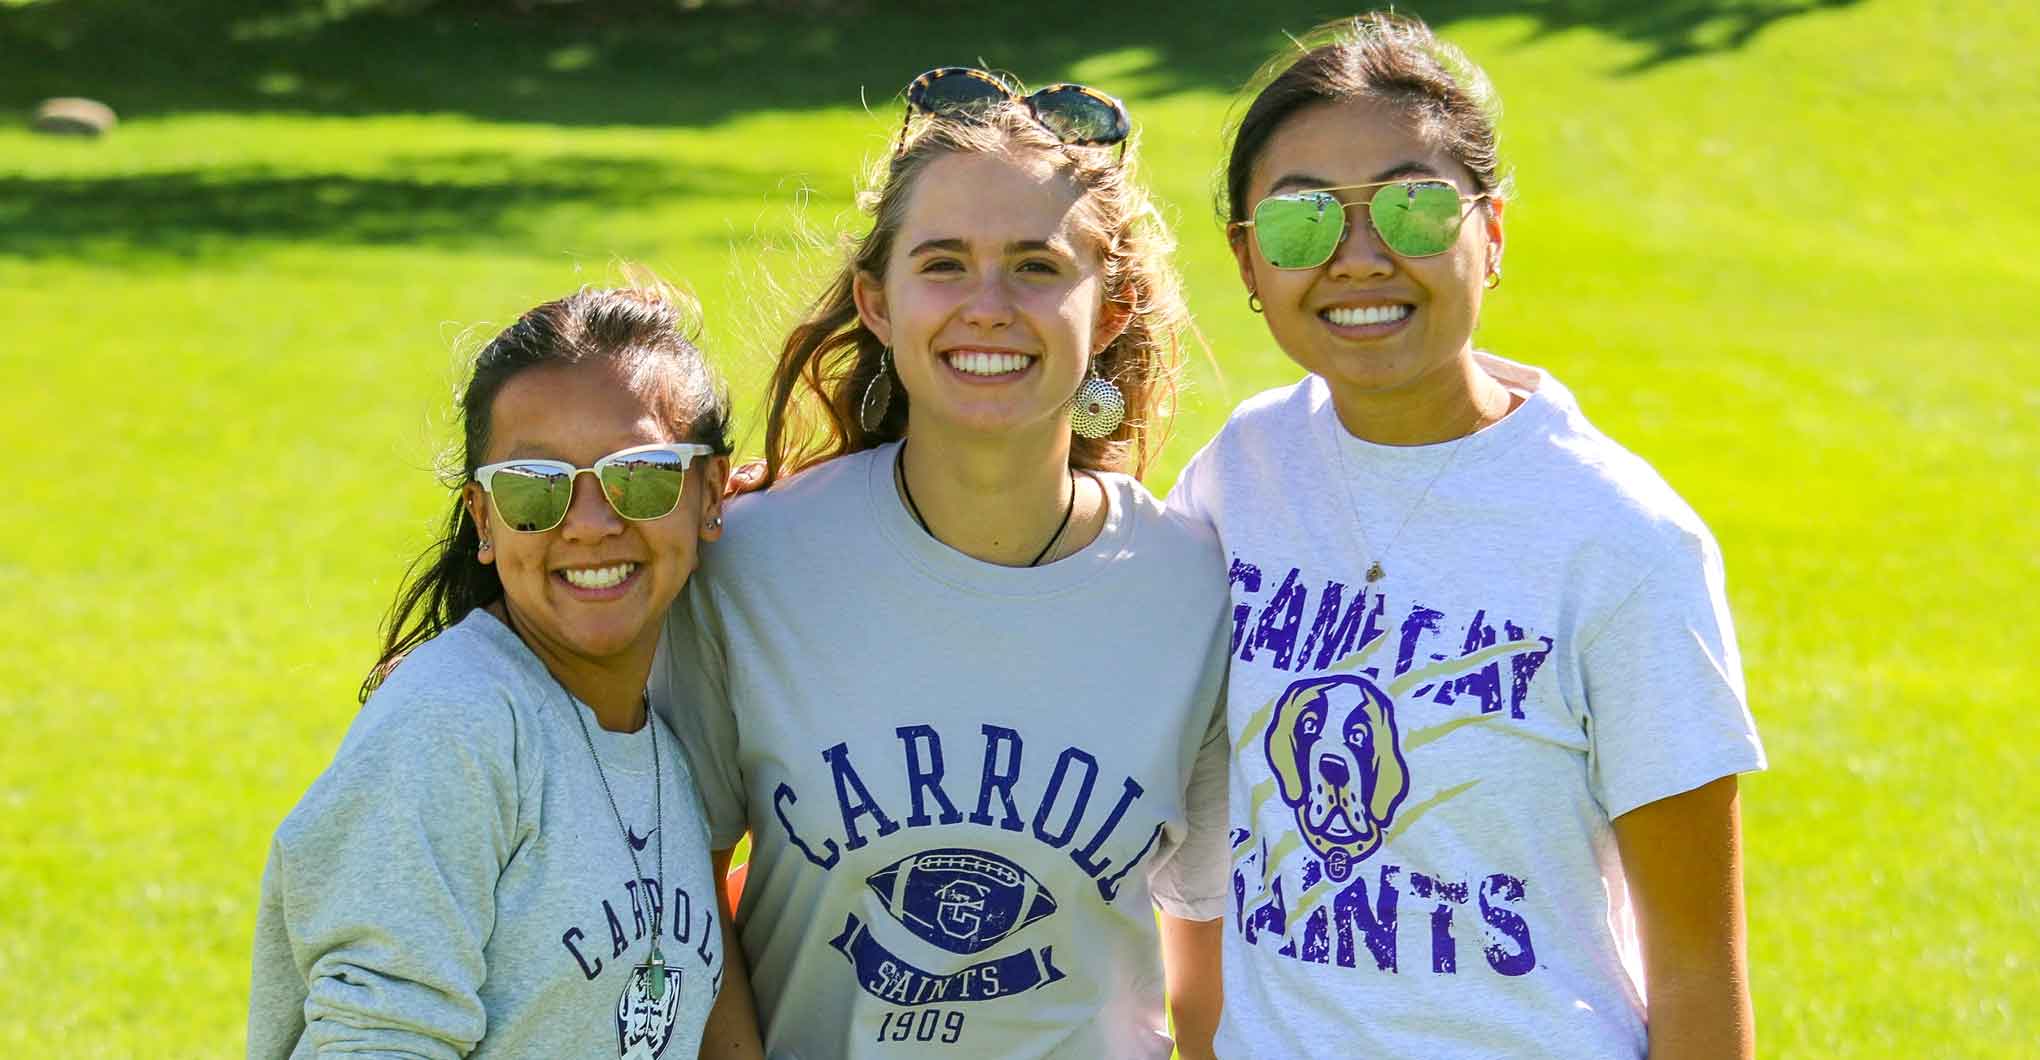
[531,498]
[1299,231]
[644,485]
[1416,218]
[1078,117]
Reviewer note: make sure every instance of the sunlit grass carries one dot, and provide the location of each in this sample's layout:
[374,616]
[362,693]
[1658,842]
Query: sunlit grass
[1797,276]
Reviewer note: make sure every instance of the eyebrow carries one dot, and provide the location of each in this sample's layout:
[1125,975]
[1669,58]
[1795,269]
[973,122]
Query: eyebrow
[1308,181]
[958,246]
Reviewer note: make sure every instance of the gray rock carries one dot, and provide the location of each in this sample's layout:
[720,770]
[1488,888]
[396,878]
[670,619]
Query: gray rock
[73,116]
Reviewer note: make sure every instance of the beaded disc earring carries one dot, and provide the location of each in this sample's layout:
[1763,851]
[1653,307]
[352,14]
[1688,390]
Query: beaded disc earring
[1097,408]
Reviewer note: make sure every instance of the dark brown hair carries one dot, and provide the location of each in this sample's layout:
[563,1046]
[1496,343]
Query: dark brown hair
[642,327]
[830,357]
[1382,56]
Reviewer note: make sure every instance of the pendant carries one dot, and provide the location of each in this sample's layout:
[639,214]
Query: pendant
[1375,573]
[647,1011]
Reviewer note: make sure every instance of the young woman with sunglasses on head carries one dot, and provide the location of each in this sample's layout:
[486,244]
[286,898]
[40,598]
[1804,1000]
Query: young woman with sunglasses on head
[507,856]
[958,672]
[1485,699]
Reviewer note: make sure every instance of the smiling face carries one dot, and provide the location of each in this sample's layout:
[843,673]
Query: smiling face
[596,587]
[1371,323]
[992,298]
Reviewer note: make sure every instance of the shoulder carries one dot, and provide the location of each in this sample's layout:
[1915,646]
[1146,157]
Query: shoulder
[456,698]
[793,511]
[1604,485]
[1270,414]
[441,733]
[1264,433]
[1168,542]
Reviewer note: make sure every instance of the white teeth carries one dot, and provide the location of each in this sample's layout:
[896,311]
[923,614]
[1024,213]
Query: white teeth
[1373,314]
[599,578]
[978,363]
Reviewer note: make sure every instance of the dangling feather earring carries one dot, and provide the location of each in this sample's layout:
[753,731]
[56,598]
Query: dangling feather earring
[877,396]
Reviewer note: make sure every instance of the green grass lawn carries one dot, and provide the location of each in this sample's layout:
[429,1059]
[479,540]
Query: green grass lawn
[232,329]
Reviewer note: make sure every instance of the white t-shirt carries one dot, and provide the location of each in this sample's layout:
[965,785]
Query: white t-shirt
[1425,768]
[967,785]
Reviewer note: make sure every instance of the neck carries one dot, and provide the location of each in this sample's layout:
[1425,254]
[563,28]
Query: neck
[993,499]
[613,689]
[1451,401]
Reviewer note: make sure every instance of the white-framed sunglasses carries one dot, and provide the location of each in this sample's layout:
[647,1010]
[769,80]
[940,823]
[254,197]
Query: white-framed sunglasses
[641,483]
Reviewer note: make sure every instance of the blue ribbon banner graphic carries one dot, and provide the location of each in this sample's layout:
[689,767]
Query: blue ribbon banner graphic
[888,977]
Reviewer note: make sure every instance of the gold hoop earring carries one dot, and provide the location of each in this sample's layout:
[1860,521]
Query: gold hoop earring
[1494,278]
[1254,301]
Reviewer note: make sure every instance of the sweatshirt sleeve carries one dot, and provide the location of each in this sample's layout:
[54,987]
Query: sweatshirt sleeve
[380,892]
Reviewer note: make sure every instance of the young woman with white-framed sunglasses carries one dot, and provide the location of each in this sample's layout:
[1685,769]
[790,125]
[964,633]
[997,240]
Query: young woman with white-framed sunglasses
[507,856]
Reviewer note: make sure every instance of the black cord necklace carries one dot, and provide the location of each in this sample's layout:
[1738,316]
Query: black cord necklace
[907,491]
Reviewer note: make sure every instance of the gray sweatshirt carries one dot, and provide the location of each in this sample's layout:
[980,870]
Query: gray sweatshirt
[456,884]
[967,785]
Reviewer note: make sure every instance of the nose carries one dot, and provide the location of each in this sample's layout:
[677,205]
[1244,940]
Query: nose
[1361,254]
[589,514]
[1333,769]
[990,304]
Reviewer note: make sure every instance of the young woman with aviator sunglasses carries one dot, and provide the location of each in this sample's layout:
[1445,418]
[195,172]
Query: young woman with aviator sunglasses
[507,856]
[1485,700]
[954,669]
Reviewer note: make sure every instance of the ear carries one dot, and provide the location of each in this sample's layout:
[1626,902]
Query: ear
[1113,317]
[1494,232]
[868,292]
[1240,237]
[715,475]
[1391,778]
[1281,742]
[477,504]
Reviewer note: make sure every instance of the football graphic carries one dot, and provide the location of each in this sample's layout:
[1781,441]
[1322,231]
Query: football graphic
[963,901]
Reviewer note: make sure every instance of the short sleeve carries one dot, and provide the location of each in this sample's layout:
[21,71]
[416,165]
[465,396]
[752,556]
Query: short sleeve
[1666,707]
[380,894]
[1191,495]
[690,689]
[1192,883]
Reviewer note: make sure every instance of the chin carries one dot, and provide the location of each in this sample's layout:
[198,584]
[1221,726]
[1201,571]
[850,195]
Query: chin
[606,641]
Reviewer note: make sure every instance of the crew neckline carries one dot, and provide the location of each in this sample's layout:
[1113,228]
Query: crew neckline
[945,564]
[1357,457]
[620,752]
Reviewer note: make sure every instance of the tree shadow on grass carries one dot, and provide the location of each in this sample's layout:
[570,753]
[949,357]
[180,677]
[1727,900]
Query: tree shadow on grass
[469,199]
[633,62]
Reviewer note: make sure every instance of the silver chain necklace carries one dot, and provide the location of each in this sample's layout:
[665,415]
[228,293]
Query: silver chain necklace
[1375,572]
[655,962]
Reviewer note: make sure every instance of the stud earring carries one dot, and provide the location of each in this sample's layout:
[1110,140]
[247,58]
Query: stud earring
[715,523]
[1494,277]
[1097,408]
[1254,301]
[877,396]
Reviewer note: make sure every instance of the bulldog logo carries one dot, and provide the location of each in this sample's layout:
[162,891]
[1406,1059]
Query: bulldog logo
[1338,763]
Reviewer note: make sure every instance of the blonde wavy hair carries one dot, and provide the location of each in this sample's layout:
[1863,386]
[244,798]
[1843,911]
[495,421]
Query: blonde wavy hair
[830,357]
